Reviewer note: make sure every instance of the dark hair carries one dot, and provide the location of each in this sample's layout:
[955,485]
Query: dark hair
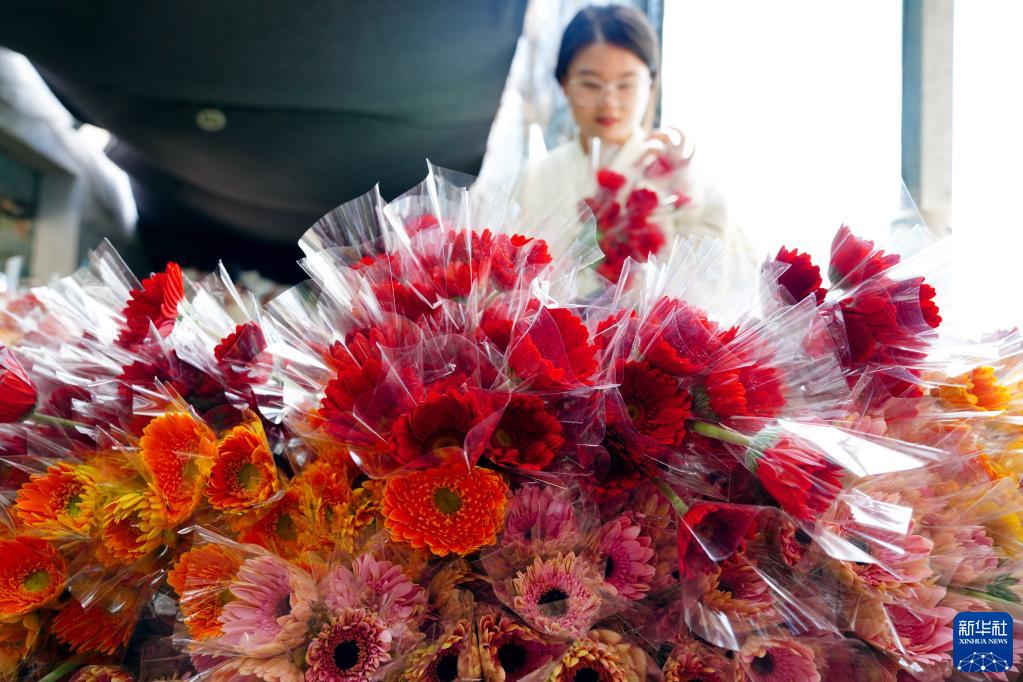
[618,25]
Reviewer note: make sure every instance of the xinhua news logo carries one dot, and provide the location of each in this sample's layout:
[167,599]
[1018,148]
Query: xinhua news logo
[982,642]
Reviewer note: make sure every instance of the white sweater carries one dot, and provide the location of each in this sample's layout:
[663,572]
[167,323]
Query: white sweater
[554,186]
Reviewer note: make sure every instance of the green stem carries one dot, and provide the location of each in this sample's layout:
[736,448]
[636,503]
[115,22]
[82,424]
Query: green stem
[676,501]
[64,668]
[718,433]
[986,596]
[54,421]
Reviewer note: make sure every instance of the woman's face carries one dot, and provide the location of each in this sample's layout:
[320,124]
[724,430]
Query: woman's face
[608,89]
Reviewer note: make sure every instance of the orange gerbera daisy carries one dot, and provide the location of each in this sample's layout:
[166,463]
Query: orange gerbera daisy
[177,449]
[979,389]
[132,526]
[31,574]
[450,509]
[104,626]
[280,529]
[202,579]
[60,501]
[243,472]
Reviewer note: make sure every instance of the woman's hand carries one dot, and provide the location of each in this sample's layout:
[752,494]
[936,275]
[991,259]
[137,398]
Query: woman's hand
[667,154]
[667,163]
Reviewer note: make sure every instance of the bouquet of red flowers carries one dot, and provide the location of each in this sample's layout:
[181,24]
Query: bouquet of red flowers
[440,459]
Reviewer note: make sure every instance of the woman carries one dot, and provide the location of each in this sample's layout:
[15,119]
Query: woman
[607,66]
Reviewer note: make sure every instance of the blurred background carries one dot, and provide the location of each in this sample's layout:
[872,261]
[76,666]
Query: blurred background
[197,131]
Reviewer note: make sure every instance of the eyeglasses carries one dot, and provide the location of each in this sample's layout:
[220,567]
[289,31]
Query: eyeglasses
[589,92]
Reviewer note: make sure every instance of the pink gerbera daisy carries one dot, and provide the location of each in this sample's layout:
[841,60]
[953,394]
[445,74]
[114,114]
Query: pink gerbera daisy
[270,610]
[777,660]
[539,513]
[377,585]
[557,596]
[510,651]
[628,558]
[350,647]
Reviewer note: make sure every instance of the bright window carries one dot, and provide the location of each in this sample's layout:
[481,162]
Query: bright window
[795,111]
[987,165]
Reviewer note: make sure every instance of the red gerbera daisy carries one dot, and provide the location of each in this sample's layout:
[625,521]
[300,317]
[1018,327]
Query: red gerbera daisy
[765,390]
[555,351]
[361,403]
[243,473]
[517,258]
[803,481]
[722,395]
[642,202]
[17,392]
[854,260]
[627,465]
[610,180]
[156,302]
[400,299]
[434,427]
[656,404]
[752,390]
[202,578]
[709,533]
[236,352]
[527,436]
[802,278]
[32,574]
[449,509]
[177,449]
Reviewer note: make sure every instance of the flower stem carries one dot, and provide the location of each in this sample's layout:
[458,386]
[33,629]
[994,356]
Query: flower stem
[986,596]
[63,669]
[676,501]
[54,421]
[719,433]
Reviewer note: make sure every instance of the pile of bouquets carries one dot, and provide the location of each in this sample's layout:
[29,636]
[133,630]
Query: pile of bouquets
[448,456]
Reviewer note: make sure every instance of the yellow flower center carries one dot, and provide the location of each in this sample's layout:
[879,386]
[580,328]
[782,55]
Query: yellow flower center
[503,438]
[248,477]
[444,442]
[36,581]
[73,509]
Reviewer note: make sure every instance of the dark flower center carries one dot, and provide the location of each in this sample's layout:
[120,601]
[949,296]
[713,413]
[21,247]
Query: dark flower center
[346,654]
[286,529]
[447,668]
[447,500]
[764,664]
[586,675]
[512,656]
[634,411]
[283,607]
[553,603]
[609,567]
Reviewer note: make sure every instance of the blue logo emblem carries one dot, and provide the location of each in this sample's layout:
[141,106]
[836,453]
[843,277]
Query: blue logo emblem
[982,642]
